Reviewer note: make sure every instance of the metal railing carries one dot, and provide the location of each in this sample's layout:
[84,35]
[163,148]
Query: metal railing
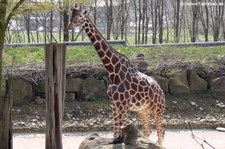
[192,44]
[124,43]
[72,43]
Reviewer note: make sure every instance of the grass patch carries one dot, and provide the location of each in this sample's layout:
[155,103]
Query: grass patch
[154,56]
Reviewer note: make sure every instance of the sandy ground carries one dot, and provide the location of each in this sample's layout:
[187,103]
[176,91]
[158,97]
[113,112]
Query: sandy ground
[174,139]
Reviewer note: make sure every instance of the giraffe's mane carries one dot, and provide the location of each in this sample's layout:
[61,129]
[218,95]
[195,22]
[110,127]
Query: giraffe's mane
[115,51]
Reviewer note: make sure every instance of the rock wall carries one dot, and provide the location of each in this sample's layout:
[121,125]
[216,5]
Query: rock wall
[91,84]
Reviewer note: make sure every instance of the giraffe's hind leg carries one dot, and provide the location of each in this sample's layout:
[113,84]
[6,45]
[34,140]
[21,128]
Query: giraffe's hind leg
[158,117]
[144,116]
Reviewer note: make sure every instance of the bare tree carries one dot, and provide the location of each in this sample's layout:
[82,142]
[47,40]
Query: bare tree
[161,15]
[109,15]
[154,14]
[27,25]
[134,6]
[195,19]
[123,15]
[167,22]
[143,20]
[65,20]
[5,17]
[204,18]
[216,15]
[177,19]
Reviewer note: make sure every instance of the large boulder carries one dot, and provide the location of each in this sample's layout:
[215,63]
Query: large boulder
[22,91]
[93,89]
[39,87]
[218,84]
[133,139]
[73,85]
[163,83]
[195,82]
[70,96]
[178,83]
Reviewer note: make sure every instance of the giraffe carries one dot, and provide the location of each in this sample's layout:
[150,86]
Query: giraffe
[129,89]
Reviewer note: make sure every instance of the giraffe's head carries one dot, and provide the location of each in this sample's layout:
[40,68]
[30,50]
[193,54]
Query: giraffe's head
[77,15]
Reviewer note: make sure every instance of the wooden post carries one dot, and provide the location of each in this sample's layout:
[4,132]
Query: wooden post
[55,61]
[6,141]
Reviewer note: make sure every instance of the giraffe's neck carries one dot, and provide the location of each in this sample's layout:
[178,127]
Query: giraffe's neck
[112,60]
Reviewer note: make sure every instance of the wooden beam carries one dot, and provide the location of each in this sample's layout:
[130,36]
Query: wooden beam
[55,63]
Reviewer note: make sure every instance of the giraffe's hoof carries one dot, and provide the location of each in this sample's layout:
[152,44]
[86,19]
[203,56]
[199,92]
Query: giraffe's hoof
[117,140]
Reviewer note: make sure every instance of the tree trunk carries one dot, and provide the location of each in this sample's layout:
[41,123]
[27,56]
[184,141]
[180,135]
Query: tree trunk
[109,11]
[27,20]
[144,9]
[135,20]
[122,13]
[5,107]
[139,23]
[177,21]
[161,9]
[146,26]
[51,26]
[154,11]
[65,24]
[95,12]
[7,116]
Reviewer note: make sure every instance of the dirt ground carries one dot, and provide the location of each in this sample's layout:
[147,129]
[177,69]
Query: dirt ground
[200,110]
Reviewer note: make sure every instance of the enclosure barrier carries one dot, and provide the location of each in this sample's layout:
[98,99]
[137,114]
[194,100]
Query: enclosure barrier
[55,63]
[71,43]
[124,43]
[190,44]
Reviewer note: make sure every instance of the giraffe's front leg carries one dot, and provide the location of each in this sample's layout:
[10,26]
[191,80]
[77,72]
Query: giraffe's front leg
[117,129]
[120,118]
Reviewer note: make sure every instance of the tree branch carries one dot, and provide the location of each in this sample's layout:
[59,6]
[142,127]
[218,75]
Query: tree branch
[13,11]
[197,139]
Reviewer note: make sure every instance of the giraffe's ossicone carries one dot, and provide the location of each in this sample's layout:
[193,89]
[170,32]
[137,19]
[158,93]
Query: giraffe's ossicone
[129,89]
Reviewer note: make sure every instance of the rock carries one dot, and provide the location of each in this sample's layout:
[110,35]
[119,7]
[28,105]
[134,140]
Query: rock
[39,101]
[70,96]
[22,91]
[163,83]
[39,87]
[178,84]
[193,103]
[217,84]
[133,139]
[222,129]
[220,104]
[93,89]
[142,65]
[195,82]
[73,84]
